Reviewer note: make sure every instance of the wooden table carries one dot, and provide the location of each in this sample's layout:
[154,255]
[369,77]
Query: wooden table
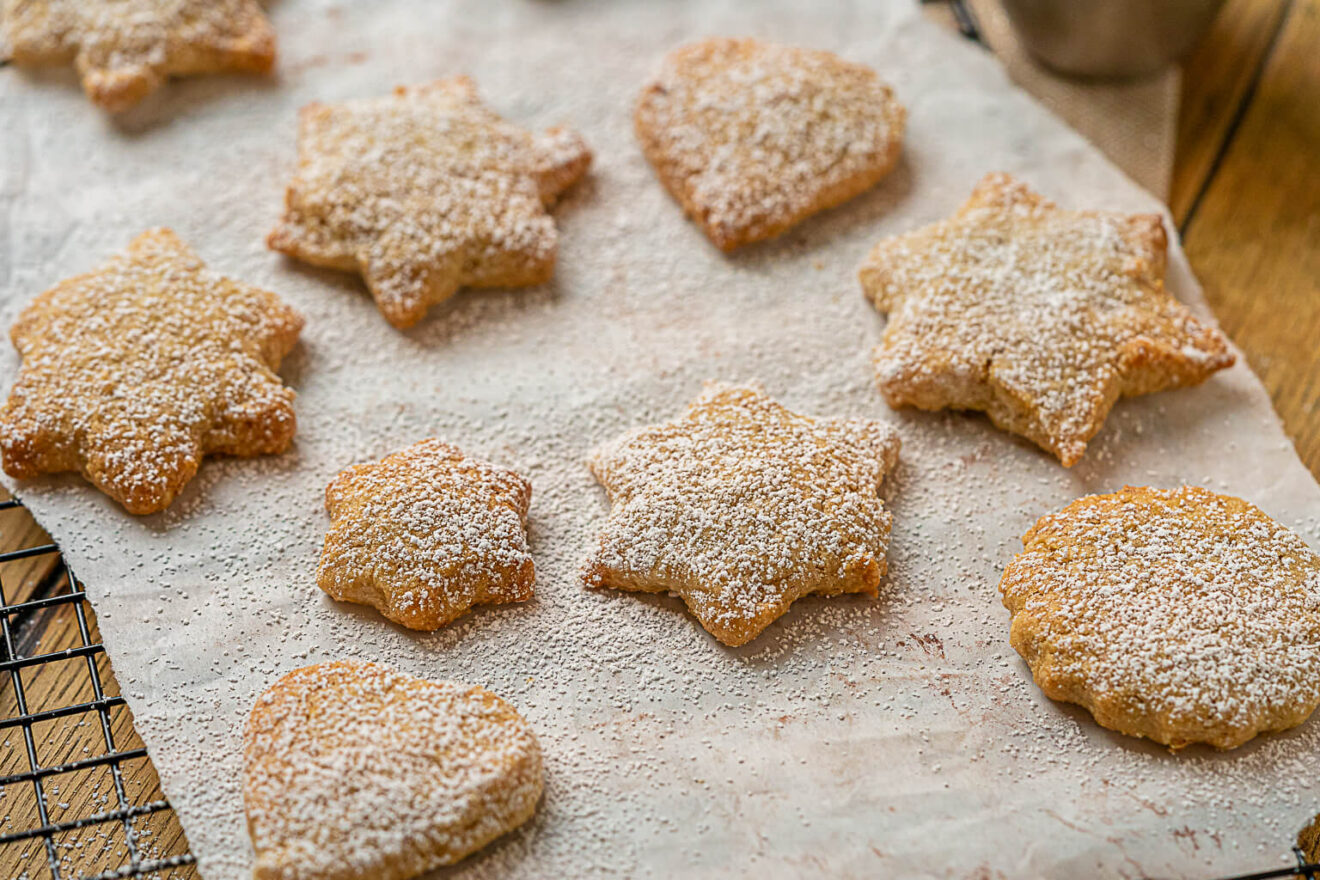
[1246,196]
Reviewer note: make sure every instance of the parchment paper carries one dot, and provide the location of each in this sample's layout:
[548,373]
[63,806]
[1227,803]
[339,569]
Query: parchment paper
[895,737]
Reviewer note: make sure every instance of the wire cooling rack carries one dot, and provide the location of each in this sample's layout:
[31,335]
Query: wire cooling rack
[78,795]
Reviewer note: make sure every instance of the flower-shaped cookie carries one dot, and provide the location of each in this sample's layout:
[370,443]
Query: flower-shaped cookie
[425,534]
[741,507]
[133,372]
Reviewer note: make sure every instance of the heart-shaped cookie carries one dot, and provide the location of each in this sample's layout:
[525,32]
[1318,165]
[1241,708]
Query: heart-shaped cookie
[752,137]
[355,770]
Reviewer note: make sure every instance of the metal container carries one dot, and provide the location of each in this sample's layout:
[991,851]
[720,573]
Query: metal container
[1110,38]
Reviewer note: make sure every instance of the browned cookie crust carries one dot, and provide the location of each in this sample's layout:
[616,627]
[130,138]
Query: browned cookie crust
[1175,614]
[125,49]
[354,770]
[425,534]
[425,191]
[741,506]
[1039,316]
[751,137]
[133,372]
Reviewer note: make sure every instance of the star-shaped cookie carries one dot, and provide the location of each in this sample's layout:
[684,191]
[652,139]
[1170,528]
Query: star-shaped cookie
[1039,316]
[125,49]
[423,192]
[133,372]
[751,137]
[425,534]
[356,771]
[741,506]
[1175,614]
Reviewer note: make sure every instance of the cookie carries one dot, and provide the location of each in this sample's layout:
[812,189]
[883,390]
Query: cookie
[1038,316]
[423,192]
[125,49]
[425,534]
[1179,615]
[133,372]
[1308,841]
[741,506]
[751,137]
[354,770]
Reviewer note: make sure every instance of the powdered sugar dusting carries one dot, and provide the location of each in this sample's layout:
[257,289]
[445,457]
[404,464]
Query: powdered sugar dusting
[124,49]
[1180,614]
[752,137]
[133,372]
[425,534]
[424,191]
[357,770]
[856,735]
[742,507]
[1039,316]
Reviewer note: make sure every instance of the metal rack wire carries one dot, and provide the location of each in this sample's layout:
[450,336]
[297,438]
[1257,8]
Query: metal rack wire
[1305,868]
[60,591]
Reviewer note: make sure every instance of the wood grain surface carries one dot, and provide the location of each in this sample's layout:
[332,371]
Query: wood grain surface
[1245,194]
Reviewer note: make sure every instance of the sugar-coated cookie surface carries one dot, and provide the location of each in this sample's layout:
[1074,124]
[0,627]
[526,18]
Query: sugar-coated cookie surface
[424,191]
[354,770]
[133,372]
[1039,316]
[752,137]
[1175,614]
[125,49]
[425,534]
[741,506]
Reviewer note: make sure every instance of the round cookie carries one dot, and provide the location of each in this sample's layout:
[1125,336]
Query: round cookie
[1179,615]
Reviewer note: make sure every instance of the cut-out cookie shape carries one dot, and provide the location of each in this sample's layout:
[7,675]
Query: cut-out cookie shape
[751,138]
[133,372]
[423,192]
[355,770]
[1179,615]
[1038,316]
[125,49]
[425,534]
[741,506]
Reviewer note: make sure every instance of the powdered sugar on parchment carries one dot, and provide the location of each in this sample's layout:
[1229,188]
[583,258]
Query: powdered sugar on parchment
[897,735]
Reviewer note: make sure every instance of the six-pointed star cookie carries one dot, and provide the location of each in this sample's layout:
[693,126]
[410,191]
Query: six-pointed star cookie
[1039,316]
[751,138]
[741,506]
[425,534]
[133,372]
[1179,615]
[355,770]
[425,191]
[125,49]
